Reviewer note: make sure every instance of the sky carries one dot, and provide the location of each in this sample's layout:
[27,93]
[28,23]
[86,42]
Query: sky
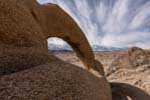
[117,23]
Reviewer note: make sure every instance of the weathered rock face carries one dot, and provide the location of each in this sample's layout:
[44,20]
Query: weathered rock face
[24,29]
[22,42]
[138,56]
[54,81]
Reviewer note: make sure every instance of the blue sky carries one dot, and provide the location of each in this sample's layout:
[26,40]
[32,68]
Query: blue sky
[117,23]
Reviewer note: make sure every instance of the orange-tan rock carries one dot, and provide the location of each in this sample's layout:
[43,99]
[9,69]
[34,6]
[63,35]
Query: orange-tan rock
[25,27]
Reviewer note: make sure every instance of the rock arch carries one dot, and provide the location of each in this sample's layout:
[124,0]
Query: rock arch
[25,29]
[25,26]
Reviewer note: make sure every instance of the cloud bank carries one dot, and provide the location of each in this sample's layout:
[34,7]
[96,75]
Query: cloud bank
[118,23]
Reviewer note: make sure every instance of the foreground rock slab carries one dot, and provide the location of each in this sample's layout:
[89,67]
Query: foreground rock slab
[54,81]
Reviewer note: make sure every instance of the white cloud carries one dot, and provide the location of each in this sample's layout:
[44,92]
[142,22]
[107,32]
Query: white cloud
[56,41]
[101,12]
[112,26]
[116,22]
[127,39]
[140,17]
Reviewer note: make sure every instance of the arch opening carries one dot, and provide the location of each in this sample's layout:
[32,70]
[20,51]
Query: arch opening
[62,50]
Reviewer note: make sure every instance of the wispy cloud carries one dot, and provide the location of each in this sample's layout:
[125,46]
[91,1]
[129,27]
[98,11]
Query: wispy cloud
[142,14]
[127,39]
[111,22]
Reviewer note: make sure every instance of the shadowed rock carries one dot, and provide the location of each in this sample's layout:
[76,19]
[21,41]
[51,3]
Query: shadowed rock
[121,91]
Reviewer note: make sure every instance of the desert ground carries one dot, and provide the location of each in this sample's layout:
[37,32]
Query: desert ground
[117,67]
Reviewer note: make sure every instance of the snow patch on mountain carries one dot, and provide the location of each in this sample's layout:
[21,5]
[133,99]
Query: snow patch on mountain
[58,47]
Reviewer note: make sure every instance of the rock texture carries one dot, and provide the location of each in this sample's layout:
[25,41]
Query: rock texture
[54,81]
[28,71]
[25,27]
[138,56]
[123,91]
[22,42]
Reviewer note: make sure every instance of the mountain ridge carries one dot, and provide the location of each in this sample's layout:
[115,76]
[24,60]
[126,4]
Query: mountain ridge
[58,47]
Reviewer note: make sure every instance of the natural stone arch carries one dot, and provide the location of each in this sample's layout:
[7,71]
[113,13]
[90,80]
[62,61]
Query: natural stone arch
[70,32]
[24,27]
[23,45]
[24,32]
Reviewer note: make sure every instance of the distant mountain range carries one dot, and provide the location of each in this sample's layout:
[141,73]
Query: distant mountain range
[105,48]
[57,47]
